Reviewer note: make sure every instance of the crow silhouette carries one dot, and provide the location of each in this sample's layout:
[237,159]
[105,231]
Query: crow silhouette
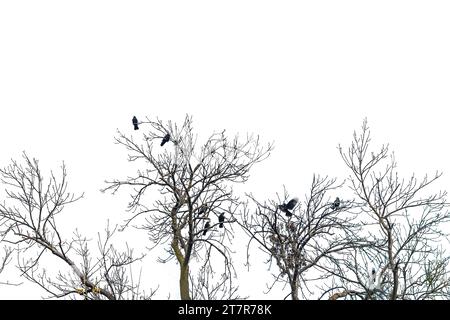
[165,139]
[135,123]
[287,207]
[336,204]
[221,219]
[202,209]
[292,203]
[206,227]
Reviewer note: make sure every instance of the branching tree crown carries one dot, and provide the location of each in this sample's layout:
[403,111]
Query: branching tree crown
[403,223]
[194,184]
[303,240]
[28,220]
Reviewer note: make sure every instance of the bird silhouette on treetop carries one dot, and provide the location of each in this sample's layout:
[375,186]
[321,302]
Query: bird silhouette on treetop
[202,209]
[221,219]
[135,123]
[165,139]
[336,204]
[206,227]
[287,207]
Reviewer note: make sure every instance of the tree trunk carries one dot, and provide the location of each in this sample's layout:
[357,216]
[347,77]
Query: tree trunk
[184,282]
[184,271]
[293,281]
[294,291]
[395,289]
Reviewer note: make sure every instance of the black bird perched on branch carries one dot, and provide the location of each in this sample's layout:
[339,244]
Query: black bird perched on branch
[135,123]
[221,219]
[374,274]
[286,207]
[206,227]
[291,204]
[202,209]
[336,204]
[165,139]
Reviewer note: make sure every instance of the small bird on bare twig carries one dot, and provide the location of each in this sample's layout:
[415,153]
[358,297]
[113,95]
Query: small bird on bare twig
[202,209]
[374,275]
[135,123]
[165,139]
[287,207]
[336,204]
[221,219]
[206,228]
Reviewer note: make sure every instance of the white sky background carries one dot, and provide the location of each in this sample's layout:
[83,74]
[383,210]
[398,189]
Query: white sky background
[303,74]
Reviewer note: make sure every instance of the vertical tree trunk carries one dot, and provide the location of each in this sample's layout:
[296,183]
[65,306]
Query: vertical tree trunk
[184,271]
[395,289]
[293,281]
[294,291]
[184,282]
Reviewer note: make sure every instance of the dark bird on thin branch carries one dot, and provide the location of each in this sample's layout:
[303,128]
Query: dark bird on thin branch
[336,204]
[221,219]
[135,123]
[374,275]
[202,209]
[206,227]
[165,139]
[287,207]
[292,203]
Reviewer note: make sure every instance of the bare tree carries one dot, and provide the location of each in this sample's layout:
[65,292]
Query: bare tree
[404,224]
[301,241]
[28,219]
[192,188]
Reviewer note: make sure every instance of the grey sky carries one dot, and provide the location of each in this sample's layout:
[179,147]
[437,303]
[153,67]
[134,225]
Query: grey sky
[303,74]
